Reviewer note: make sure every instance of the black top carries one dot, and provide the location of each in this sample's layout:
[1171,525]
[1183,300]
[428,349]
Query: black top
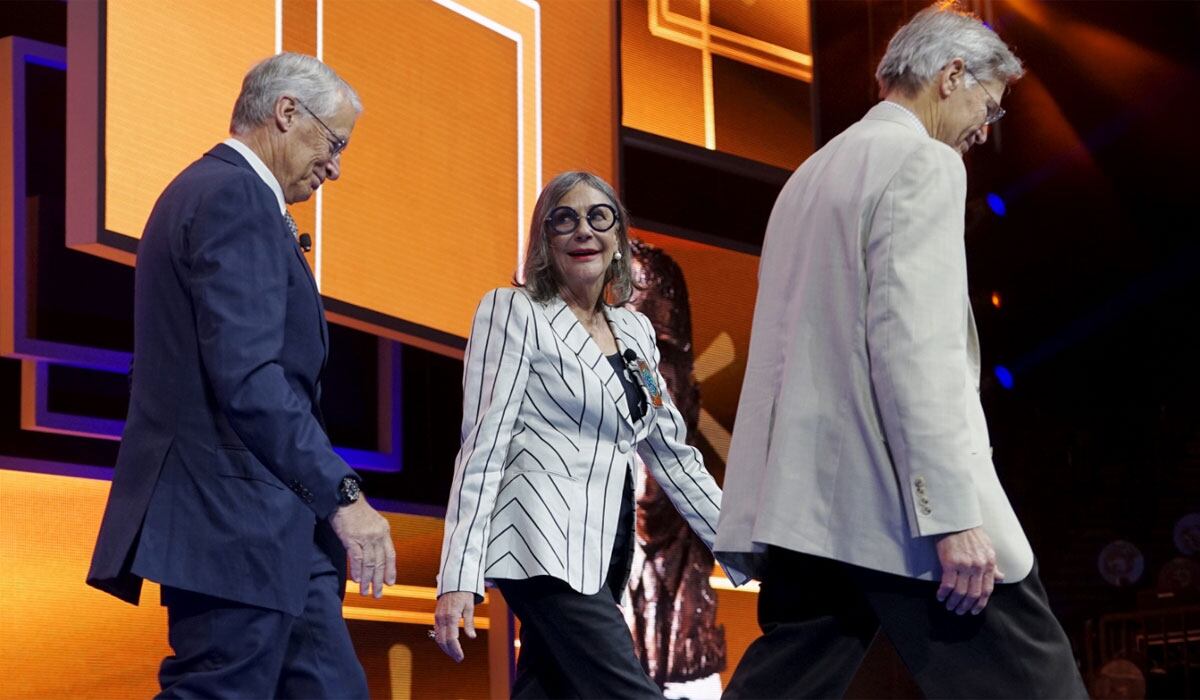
[633,394]
[618,568]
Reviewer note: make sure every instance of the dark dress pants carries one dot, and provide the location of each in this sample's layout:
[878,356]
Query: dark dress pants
[818,617]
[575,645]
[225,649]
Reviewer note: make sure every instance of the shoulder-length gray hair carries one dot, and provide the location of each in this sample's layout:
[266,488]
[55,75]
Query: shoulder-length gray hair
[315,84]
[934,37]
[543,280]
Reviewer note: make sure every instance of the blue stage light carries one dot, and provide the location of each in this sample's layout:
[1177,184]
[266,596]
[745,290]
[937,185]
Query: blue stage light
[996,204]
[1004,376]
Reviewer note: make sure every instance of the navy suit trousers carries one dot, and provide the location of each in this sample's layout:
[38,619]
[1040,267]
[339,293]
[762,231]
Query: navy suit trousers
[231,650]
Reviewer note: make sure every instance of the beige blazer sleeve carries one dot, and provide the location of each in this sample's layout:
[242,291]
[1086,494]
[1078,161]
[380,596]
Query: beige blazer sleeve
[916,335]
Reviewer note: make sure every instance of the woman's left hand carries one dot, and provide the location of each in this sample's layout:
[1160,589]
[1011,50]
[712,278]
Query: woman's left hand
[452,607]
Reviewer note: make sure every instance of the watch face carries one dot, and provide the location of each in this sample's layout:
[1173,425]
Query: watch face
[349,490]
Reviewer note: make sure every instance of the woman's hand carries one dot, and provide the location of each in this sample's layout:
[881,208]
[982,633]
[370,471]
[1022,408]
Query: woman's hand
[452,607]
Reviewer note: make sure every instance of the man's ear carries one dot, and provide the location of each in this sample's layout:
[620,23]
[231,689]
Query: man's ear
[286,113]
[952,76]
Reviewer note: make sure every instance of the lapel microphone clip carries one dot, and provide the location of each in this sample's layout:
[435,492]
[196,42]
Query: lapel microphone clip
[305,241]
[641,371]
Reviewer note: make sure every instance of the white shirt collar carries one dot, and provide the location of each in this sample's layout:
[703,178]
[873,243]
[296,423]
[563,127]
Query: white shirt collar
[259,167]
[909,114]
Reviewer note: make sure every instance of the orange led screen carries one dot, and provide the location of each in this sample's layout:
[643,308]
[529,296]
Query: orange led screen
[469,106]
[727,75]
[65,640]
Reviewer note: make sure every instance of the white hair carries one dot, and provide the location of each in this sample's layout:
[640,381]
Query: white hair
[296,75]
[934,37]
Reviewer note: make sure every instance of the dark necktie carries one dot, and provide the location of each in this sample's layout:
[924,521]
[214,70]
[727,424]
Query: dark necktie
[291,224]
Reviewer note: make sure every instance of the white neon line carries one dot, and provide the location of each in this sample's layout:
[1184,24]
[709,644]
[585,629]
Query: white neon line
[317,240]
[516,37]
[479,19]
[537,81]
[278,26]
[320,30]
[520,151]
[706,66]
[710,121]
[537,123]
[320,195]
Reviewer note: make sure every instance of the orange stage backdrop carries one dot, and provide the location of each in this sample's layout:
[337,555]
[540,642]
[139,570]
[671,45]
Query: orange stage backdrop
[63,639]
[469,106]
[728,75]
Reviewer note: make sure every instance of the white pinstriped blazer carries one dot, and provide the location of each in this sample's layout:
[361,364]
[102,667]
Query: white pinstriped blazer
[546,440]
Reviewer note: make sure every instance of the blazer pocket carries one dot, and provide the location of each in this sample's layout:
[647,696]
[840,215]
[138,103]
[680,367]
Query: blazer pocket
[240,463]
[535,470]
[534,461]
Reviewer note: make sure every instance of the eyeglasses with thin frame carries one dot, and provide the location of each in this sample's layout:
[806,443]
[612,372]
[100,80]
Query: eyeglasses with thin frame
[994,111]
[336,143]
[565,220]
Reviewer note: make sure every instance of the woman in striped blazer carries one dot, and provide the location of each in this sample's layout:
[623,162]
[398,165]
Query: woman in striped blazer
[559,390]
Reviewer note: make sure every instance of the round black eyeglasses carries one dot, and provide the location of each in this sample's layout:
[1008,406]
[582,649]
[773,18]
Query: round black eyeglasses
[565,220]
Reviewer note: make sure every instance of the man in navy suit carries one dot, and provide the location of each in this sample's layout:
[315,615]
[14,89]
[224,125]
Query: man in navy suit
[227,491]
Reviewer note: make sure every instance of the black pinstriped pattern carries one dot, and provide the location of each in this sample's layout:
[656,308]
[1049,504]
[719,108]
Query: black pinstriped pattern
[545,505]
[530,519]
[565,428]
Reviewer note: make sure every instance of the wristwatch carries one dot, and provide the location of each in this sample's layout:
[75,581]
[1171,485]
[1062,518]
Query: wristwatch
[349,491]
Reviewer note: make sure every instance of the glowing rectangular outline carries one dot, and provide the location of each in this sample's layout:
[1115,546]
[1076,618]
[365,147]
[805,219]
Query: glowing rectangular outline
[780,60]
[14,338]
[36,415]
[506,32]
[86,232]
[788,61]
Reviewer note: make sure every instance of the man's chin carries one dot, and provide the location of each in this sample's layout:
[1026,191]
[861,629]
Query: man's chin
[300,195]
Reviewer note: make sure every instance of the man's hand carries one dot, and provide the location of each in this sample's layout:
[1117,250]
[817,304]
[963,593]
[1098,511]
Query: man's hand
[452,607]
[969,570]
[367,537]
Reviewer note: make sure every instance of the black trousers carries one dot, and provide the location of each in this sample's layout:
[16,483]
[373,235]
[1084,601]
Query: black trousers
[575,645]
[819,616]
[224,649]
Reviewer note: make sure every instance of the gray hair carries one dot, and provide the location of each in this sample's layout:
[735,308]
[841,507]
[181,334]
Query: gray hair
[934,37]
[542,277]
[294,74]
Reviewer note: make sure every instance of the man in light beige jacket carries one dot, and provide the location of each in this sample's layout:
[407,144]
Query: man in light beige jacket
[860,488]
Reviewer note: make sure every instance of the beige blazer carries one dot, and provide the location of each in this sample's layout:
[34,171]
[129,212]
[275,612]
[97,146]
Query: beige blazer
[860,435]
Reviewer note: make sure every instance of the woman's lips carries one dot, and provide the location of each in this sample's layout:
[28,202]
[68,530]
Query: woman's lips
[583,255]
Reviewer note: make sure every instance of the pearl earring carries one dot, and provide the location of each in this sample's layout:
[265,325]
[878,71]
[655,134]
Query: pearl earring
[617,255]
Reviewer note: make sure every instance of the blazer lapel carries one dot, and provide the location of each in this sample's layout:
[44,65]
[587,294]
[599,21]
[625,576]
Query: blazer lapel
[231,156]
[625,330]
[577,340]
[316,297]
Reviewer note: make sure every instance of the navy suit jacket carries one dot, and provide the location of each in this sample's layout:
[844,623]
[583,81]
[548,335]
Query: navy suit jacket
[225,476]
